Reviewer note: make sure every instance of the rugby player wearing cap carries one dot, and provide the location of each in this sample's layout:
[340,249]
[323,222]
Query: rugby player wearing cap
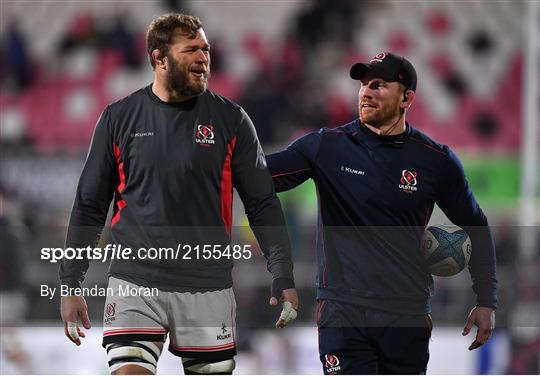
[377,180]
[170,155]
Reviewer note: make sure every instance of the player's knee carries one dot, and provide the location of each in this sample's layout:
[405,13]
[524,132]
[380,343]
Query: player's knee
[206,367]
[131,354]
[132,369]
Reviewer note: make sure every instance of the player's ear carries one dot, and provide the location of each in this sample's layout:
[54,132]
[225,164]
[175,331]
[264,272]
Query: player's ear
[159,59]
[408,97]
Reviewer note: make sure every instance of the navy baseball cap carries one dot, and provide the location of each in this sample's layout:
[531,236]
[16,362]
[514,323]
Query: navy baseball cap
[389,67]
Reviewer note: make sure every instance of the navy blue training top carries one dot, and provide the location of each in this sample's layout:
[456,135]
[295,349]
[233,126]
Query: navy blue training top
[376,195]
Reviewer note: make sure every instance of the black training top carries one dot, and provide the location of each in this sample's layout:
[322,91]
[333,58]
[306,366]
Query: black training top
[171,169]
[376,195]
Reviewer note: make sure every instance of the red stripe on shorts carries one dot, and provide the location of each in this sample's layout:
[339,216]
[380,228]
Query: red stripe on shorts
[133,331]
[205,348]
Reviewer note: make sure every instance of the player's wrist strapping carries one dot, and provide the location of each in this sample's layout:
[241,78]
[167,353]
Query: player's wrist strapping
[280,284]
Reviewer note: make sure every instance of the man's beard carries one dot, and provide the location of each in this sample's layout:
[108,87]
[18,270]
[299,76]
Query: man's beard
[178,81]
[384,116]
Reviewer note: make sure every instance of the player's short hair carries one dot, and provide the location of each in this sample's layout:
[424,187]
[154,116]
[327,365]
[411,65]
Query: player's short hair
[162,30]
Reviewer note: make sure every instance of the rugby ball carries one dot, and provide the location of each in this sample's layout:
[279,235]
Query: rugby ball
[447,249]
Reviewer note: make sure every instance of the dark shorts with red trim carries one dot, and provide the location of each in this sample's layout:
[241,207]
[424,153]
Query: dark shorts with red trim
[358,340]
[199,325]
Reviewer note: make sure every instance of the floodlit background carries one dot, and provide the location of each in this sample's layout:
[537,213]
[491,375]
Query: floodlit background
[286,63]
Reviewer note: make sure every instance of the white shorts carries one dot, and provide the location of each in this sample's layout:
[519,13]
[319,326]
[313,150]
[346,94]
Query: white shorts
[200,325]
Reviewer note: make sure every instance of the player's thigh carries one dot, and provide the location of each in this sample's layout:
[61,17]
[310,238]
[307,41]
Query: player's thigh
[344,351]
[203,331]
[343,347]
[404,347]
[134,317]
[134,330]
[134,358]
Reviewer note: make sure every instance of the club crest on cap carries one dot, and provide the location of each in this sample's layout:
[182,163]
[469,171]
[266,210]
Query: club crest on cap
[379,57]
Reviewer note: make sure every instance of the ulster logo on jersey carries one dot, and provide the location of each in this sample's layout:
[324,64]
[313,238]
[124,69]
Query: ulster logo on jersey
[408,181]
[110,311]
[331,363]
[205,135]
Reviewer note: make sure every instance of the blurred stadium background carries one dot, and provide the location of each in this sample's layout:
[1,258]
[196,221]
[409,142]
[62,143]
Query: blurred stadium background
[287,63]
